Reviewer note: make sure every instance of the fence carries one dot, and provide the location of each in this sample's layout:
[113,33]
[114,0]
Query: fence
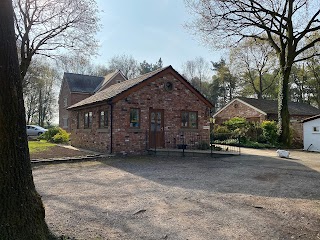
[193,141]
[226,142]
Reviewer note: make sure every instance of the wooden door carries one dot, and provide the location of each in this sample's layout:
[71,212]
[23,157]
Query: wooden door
[156,129]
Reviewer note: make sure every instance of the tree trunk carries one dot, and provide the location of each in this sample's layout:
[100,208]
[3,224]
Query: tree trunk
[22,215]
[283,110]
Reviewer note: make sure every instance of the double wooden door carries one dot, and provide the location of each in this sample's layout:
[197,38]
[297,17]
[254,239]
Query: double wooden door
[156,128]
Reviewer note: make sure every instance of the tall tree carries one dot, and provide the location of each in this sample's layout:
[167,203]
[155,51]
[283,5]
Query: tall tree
[226,81]
[254,61]
[39,94]
[80,64]
[47,26]
[285,25]
[22,215]
[314,83]
[127,64]
[146,67]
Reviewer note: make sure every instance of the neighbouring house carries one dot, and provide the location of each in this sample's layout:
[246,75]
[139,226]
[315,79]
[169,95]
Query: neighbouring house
[76,87]
[156,109]
[258,110]
[311,133]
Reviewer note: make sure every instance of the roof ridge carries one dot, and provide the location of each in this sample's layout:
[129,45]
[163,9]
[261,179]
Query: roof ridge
[79,74]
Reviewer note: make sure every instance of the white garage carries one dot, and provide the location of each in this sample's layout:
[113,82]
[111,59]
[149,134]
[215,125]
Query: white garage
[311,133]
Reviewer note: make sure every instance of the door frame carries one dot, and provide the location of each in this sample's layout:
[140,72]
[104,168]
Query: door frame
[159,134]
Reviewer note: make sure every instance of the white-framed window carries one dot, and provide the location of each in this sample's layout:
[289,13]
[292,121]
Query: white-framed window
[316,129]
[65,102]
[118,81]
[65,122]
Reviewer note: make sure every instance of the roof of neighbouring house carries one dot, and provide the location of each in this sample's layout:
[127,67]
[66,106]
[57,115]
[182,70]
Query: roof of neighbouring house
[116,89]
[271,106]
[82,83]
[311,118]
[108,78]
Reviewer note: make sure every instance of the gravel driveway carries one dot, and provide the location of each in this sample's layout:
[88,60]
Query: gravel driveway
[240,197]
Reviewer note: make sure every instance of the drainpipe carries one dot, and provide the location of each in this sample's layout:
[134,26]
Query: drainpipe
[111,127]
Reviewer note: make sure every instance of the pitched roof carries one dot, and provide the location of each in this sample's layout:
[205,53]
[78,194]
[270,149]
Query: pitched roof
[108,78]
[116,89]
[271,106]
[311,118]
[82,83]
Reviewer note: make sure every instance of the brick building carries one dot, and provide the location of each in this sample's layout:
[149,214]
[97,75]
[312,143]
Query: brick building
[76,87]
[258,110]
[153,110]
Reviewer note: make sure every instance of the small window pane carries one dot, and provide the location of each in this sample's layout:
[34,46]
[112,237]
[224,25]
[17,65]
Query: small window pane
[134,118]
[193,120]
[86,120]
[78,120]
[184,119]
[103,123]
[90,119]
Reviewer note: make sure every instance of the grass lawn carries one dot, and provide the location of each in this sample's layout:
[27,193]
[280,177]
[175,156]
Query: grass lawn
[39,146]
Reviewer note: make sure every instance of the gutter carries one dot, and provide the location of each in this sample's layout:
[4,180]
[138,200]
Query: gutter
[111,127]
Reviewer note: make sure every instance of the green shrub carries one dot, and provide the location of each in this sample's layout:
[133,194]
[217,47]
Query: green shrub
[56,135]
[61,137]
[269,131]
[236,123]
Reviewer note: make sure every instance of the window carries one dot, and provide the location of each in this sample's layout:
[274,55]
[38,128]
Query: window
[78,120]
[65,102]
[88,120]
[316,129]
[103,119]
[168,86]
[189,119]
[65,122]
[134,117]
[118,81]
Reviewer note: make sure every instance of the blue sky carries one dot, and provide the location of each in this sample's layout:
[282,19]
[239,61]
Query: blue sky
[148,30]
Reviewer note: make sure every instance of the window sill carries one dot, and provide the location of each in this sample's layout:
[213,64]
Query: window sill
[135,130]
[189,129]
[86,130]
[103,130]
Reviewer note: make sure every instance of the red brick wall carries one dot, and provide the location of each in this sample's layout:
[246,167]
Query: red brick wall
[72,98]
[154,96]
[63,112]
[94,138]
[239,109]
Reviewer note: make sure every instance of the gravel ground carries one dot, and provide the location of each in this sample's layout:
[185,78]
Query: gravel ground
[240,197]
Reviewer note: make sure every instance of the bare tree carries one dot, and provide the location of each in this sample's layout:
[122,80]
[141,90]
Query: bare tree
[255,62]
[47,26]
[285,25]
[196,71]
[127,64]
[22,214]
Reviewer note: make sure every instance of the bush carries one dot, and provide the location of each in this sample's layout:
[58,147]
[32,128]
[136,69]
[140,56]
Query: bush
[269,131]
[56,135]
[236,123]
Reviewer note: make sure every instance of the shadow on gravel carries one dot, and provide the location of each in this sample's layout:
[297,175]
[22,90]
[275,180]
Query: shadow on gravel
[246,174]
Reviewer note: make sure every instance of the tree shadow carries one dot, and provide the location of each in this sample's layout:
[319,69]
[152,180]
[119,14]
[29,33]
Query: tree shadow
[246,174]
